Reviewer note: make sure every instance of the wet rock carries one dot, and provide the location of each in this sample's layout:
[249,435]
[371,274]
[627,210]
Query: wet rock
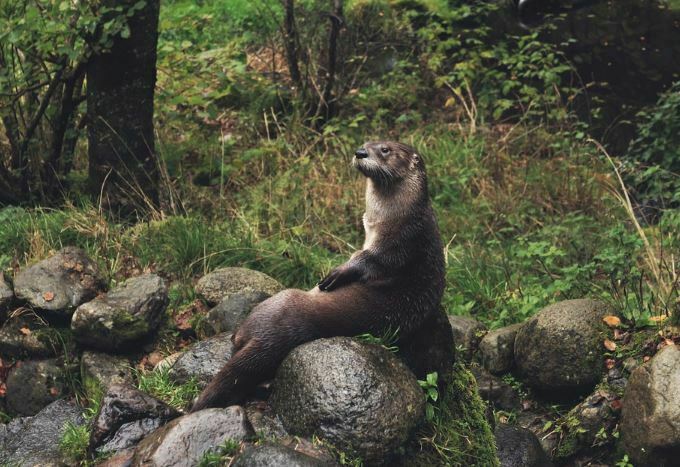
[104,369]
[185,440]
[34,384]
[6,298]
[519,447]
[650,419]
[559,350]
[496,391]
[28,336]
[274,455]
[589,424]
[230,312]
[120,459]
[224,282]
[125,417]
[203,360]
[536,423]
[360,398]
[497,349]
[467,332]
[126,314]
[34,441]
[60,283]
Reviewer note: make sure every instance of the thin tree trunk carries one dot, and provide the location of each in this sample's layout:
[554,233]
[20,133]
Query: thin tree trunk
[291,44]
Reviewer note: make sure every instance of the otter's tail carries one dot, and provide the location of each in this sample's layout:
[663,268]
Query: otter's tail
[248,367]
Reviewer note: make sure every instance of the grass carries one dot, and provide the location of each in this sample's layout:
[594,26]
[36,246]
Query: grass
[159,384]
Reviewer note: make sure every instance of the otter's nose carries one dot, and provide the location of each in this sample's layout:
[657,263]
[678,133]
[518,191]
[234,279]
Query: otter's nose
[361,153]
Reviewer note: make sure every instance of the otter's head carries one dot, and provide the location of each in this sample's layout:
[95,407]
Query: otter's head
[387,162]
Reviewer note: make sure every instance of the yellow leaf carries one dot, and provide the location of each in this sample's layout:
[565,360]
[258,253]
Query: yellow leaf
[612,321]
[609,345]
[25,331]
[658,319]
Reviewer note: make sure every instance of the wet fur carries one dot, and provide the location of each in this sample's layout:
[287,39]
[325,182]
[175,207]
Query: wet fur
[395,282]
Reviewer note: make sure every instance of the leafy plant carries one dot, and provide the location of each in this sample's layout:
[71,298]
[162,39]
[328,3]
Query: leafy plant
[431,394]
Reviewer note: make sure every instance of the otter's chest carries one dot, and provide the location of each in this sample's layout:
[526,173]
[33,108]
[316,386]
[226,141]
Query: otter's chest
[372,233]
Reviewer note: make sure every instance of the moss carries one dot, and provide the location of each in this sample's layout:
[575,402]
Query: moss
[459,434]
[129,327]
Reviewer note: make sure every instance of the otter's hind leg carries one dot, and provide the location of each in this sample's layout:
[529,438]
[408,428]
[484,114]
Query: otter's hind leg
[246,368]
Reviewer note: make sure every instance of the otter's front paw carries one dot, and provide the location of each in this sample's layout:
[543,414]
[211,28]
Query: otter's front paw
[338,277]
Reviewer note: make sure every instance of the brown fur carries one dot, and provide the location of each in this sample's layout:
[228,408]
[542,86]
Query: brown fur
[394,283]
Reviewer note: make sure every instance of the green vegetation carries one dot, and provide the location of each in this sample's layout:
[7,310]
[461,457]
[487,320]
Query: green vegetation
[222,455]
[158,384]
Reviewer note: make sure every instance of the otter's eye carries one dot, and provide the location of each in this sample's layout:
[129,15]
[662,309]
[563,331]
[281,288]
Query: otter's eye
[384,150]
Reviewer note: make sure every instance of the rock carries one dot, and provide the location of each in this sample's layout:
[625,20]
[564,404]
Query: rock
[104,369]
[126,314]
[230,312]
[497,349]
[185,440]
[630,364]
[202,360]
[34,441]
[360,398]
[589,424]
[60,283]
[519,447]
[34,384]
[120,459]
[27,336]
[224,282]
[274,455]
[167,362]
[467,333]
[6,297]
[650,418]
[559,350]
[536,423]
[496,391]
[125,417]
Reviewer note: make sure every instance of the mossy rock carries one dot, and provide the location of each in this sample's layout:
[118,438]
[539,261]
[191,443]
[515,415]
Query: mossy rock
[459,434]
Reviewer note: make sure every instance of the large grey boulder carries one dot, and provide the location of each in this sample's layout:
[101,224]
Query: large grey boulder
[126,415]
[221,283]
[128,313]
[232,310]
[34,384]
[34,441]
[559,350]
[650,418]
[359,397]
[467,332]
[185,440]
[27,336]
[60,283]
[497,349]
[519,447]
[6,298]
[105,370]
[202,360]
[275,455]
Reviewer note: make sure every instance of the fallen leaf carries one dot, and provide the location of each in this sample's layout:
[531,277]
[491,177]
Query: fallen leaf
[609,345]
[610,363]
[615,404]
[48,296]
[669,342]
[646,358]
[658,319]
[612,321]
[3,390]
[54,391]
[25,331]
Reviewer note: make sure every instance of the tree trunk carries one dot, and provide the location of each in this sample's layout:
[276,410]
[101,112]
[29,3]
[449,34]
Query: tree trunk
[123,168]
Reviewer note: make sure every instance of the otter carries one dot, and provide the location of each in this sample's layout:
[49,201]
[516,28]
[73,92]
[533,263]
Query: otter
[394,283]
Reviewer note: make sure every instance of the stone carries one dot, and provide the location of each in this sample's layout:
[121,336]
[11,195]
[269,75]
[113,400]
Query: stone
[467,333]
[202,360]
[34,441]
[128,313]
[34,384]
[104,369]
[358,397]
[6,297]
[224,282]
[519,447]
[230,312]
[589,424]
[494,390]
[167,362]
[60,283]
[185,440]
[650,418]
[126,415]
[559,350]
[497,349]
[27,336]
[274,455]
